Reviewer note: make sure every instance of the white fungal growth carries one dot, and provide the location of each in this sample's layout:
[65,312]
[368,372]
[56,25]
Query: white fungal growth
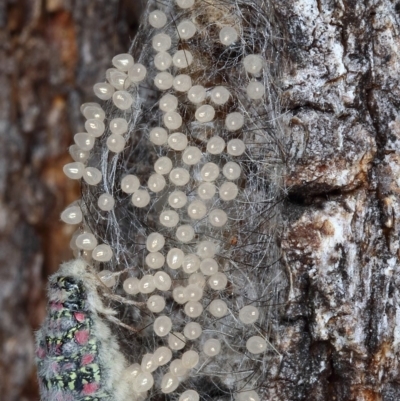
[181,175]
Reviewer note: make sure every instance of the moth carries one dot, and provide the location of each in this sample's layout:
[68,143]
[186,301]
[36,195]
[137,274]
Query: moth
[78,357]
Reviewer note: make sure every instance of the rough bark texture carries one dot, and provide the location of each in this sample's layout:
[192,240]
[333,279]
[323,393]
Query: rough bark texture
[51,53]
[342,331]
[340,334]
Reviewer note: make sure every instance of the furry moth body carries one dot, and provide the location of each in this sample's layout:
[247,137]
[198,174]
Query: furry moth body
[78,357]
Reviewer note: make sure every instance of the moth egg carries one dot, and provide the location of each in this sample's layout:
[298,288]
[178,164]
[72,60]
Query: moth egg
[206,190]
[168,103]
[162,355]
[196,94]
[163,80]
[156,183]
[122,99]
[253,63]
[212,347]
[92,176]
[84,141]
[175,258]
[158,136]
[179,295]
[155,260]
[236,147]
[228,35]
[107,278]
[182,83]
[185,3]
[162,281]
[78,154]
[163,165]
[118,126]
[190,359]
[106,203]
[115,143]
[218,308]
[186,29]
[129,184]
[72,215]
[179,176]
[182,58]
[176,367]
[217,218]
[249,314]
[177,141]
[102,253]
[197,210]
[74,171]
[103,90]
[143,382]
[161,42]
[209,172]
[133,370]
[147,284]
[140,198]
[218,281]
[172,120]
[206,249]
[255,90]
[131,286]
[205,113]
[191,263]
[215,145]
[250,395]
[189,395]
[193,309]
[117,78]
[95,127]
[155,242]
[169,218]
[194,292]
[220,95]
[148,363]
[93,110]
[209,266]
[191,155]
[256,345]
[122,61]
[176,341]
[169,383]
[137,73]
[197,279]
[162,61]
[231,171]
[185,233]
[162,326]
[157,19]
[177,199]
[192,331]
[234,121]
[228,191]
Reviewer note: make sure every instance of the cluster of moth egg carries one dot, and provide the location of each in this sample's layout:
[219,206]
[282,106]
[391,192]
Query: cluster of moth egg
[201,267]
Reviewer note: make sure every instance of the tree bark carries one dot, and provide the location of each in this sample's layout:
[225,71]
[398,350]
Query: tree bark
[340,245]
[50,54]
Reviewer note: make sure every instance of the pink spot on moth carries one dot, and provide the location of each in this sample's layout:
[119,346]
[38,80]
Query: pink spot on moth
[40,352]
[82,336]
[79,316]
[88,358]
[90,388]
[55,367]
[56,305]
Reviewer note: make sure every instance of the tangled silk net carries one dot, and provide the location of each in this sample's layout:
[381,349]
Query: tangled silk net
[177,281]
